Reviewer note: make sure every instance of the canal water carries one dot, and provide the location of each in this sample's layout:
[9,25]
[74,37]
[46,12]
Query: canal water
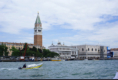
[81,69]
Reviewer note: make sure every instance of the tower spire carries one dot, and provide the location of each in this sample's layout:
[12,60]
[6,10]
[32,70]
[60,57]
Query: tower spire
[38,21]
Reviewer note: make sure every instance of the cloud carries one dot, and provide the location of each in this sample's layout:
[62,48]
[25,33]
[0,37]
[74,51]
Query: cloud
[90,19]
[106,36]
[80,14]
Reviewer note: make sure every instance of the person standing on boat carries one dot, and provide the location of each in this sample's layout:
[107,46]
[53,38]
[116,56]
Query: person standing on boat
[24,66]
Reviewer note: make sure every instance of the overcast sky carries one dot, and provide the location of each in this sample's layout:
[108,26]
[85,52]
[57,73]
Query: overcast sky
[72,22]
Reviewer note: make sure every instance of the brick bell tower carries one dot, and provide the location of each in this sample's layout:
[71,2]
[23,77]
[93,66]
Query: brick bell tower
[38,32]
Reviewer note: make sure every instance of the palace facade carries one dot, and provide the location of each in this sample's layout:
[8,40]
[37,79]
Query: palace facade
[80,51]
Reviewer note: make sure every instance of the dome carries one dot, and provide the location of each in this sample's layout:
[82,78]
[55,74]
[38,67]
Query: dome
[59,43]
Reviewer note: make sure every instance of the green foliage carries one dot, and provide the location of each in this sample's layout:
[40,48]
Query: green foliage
[48,53]
[15,52]
[33,52]
[38,54]
[3,50]
[25,46]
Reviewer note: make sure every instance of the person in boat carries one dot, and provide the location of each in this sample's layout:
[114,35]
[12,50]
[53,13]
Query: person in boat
[24,66]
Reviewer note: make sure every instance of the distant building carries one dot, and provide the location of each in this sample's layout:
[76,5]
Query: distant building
[80,51]
[16,45]
[65,52]
[37,38]
[115,52]
[91,51]
[109,53]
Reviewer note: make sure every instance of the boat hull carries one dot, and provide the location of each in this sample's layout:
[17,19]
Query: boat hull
[55,60]
[32,67]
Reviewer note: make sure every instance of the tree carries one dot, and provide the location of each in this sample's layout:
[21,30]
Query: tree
[33,52]
[48,53]
[15,52]
[3,50]
[39,54]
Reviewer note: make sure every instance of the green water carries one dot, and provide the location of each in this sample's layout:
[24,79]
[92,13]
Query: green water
[92,69]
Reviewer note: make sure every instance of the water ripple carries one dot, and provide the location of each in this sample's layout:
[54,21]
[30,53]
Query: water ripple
[102,69]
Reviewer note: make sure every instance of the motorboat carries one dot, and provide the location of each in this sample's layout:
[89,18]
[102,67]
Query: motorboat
[32,66]
[55,59]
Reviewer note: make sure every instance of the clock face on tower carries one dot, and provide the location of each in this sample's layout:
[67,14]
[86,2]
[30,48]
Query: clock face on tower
[38,32]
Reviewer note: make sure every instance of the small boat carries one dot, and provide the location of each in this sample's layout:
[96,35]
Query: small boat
[63,60]
[32,66]
[86,59]
[55,59]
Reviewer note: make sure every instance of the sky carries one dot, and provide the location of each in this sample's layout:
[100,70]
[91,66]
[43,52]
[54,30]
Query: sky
[72,22]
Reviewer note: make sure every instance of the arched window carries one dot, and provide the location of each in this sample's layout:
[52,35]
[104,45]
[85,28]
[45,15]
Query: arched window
[95,49]
[92,49]
[88,49]
[82,49]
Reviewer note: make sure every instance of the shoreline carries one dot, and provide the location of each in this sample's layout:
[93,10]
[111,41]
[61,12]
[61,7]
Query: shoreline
[49,60]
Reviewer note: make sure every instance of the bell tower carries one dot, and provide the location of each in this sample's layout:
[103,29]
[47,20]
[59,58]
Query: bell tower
[38,32]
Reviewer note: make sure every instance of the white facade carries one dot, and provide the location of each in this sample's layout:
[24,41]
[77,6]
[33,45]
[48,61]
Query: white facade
[80,51]
[115,54]
[91,51]
[65,52]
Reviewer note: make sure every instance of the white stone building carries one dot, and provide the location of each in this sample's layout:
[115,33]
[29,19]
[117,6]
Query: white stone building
[65,52]
[80,51]
[91,51]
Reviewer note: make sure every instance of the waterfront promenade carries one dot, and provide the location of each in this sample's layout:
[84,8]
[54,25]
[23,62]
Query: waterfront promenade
[17,59]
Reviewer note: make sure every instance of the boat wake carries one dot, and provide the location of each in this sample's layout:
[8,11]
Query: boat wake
[8,69]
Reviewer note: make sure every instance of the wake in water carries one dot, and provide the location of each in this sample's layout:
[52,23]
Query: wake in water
[8,69]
